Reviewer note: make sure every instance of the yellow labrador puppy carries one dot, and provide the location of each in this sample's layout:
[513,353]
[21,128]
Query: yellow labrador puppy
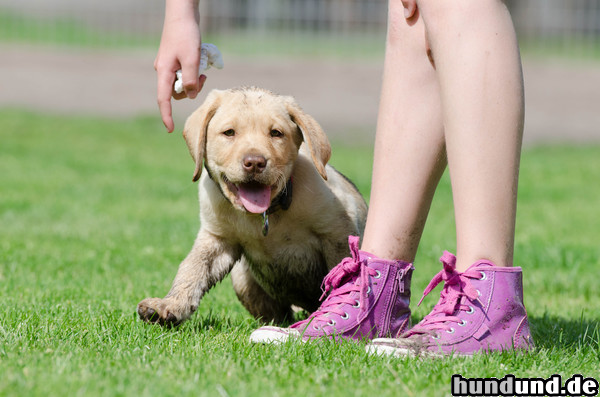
[272,212]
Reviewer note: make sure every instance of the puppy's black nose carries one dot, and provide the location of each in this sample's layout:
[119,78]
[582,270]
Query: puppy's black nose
[254,164]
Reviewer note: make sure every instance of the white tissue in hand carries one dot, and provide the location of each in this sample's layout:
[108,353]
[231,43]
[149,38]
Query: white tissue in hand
[209,56]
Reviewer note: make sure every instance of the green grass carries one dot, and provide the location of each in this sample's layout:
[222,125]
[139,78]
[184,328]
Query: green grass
[95,215]
[21,28]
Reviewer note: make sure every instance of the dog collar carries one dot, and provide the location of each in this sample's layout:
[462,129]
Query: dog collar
[282,201]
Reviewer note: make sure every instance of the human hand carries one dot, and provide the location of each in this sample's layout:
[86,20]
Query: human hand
[179,49]
[410,6]
[209,56]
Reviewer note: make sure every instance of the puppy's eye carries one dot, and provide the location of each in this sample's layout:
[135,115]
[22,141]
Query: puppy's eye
[276,134]
[229,132]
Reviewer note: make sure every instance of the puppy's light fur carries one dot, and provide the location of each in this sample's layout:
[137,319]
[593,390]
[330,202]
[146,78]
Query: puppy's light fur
[286,267]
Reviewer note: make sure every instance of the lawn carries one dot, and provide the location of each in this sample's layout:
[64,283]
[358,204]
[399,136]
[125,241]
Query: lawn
[95,215]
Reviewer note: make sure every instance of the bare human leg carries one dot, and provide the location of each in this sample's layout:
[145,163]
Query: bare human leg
[409,145]
[481,306]
[479,70]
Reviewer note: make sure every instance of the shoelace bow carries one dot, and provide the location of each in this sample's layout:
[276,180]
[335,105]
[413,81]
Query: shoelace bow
[456,285]
[350,275]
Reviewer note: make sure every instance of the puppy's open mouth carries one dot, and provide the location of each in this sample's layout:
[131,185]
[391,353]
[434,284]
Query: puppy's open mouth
[254,196]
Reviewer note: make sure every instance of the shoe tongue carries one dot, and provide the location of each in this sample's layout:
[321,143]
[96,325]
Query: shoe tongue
[255,197]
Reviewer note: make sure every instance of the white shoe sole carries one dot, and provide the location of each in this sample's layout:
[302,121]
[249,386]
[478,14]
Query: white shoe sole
[273,335]
[383,350]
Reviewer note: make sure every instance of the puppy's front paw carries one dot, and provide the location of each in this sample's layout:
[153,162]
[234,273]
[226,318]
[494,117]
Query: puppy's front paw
[162,311]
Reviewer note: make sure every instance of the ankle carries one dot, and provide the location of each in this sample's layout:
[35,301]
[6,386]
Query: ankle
[463,262]
[387,254]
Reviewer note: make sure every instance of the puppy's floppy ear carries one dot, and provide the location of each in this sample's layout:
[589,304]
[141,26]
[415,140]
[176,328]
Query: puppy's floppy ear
[315,138]
[196,126]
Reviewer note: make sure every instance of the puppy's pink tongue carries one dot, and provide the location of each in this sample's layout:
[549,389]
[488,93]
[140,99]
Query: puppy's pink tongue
[254,197]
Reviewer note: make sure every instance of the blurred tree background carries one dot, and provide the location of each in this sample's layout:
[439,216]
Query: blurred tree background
[564,27]
[92,57]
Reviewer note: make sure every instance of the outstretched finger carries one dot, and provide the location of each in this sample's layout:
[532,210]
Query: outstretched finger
[165,90]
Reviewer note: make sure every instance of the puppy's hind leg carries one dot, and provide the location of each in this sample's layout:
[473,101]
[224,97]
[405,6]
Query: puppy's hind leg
[255,299]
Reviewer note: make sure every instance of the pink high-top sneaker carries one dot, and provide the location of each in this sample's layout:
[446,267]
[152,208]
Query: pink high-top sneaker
[368,298]
[480,309]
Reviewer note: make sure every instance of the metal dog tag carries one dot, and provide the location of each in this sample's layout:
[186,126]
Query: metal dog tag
[265,228]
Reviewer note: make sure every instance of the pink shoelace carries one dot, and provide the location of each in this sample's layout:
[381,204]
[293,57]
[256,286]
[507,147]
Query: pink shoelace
[350,275]
[456,285]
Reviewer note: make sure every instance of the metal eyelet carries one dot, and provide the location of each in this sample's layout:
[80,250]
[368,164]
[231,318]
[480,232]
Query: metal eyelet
[483,276]
[462,323]
[378,275]
[450,331]
[331,323]
[357,305]
[435,337]
[471,310]
[368,290]
[346,316]
[478,293]
[316,328]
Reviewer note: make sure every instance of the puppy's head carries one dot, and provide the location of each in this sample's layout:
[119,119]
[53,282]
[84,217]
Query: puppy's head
[249,139]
